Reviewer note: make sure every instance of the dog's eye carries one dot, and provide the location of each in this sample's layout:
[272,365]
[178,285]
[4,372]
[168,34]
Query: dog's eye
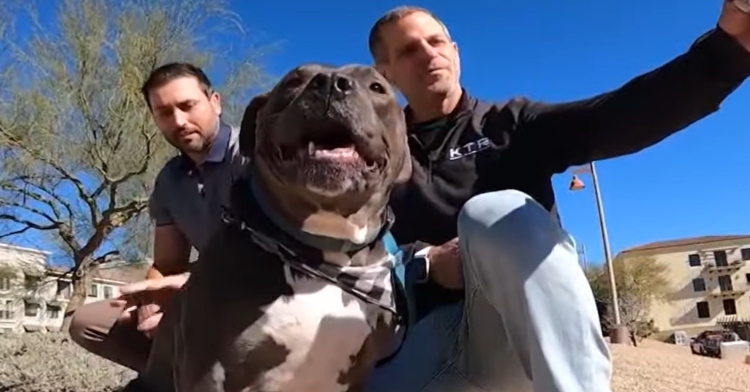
[293,81]
[377,87]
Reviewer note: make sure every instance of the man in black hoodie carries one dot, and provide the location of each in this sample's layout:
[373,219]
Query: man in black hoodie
[514,312]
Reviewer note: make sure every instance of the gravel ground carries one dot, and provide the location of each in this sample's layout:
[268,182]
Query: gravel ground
[37,362]
[51,363]
[660,367]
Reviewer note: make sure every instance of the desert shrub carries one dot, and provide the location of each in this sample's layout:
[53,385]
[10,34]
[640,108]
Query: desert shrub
[36,362]
[645,329]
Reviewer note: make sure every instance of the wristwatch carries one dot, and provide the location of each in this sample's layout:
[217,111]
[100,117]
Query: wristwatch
[419,266]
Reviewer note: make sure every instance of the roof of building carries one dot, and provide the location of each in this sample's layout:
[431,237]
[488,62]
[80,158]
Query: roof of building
[24,249]
[125,272]
[687,242]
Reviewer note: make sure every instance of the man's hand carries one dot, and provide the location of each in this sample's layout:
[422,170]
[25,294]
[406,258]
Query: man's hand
[445,265]
[148,296]
[736,23]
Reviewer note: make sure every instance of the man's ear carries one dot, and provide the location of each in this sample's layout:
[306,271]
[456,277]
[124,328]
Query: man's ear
[250,123]
[382,70]
[215,99]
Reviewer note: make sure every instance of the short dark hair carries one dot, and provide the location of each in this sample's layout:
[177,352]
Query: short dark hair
[171,71]
[375,40]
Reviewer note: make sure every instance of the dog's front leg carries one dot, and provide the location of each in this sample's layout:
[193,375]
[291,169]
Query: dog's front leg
[159,374]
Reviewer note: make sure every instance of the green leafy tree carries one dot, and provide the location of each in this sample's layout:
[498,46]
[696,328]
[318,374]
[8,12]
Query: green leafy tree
[640,281]
[78,148]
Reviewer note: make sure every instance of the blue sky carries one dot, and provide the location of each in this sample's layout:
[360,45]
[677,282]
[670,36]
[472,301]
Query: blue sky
[692,184]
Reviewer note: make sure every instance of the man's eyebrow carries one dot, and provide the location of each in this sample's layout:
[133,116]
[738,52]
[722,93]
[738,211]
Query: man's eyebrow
[178,103]
[157,107]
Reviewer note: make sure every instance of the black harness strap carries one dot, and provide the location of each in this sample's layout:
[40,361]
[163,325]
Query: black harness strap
[290,258]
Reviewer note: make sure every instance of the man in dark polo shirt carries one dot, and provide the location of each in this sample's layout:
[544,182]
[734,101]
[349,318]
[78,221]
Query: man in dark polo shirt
[508,307]
[185,206]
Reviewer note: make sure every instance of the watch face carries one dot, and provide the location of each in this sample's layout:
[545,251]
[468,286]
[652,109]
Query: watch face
[419,268]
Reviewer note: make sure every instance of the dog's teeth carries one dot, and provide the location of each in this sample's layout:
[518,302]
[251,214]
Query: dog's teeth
[311,148]
[336,153]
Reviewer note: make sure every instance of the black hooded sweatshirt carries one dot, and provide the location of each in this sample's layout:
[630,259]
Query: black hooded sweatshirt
[520,144]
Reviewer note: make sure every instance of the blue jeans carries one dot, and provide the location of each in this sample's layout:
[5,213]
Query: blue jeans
[528,321]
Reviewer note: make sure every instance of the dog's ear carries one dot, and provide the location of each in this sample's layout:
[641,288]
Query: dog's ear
[250,123]
[406,166]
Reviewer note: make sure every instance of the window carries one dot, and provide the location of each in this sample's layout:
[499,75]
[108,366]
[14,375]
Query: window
[747,278]
[699,285]
[107,291]
[4,283]
[31,309]
[6,310]
[720,257]
[53,312]
[694,260]
[703,311]
[725,283]
[31,282]
[745,253]
[730,307]
[94,290]
[63,289]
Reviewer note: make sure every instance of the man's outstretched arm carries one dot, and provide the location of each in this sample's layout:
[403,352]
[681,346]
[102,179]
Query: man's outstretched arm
[642,112]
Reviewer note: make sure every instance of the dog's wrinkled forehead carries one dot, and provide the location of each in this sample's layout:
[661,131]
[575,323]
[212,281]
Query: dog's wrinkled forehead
[309,93]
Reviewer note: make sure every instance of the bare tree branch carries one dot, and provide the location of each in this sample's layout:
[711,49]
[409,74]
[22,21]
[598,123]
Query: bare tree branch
[81,269]
[13,142]
[13,233]
[28,194]
[78,148]
[27,223]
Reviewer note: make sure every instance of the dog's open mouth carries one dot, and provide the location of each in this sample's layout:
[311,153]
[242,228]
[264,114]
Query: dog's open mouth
[333,144]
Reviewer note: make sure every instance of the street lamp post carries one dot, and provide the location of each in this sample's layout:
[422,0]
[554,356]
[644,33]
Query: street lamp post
[582,258]
[619,333]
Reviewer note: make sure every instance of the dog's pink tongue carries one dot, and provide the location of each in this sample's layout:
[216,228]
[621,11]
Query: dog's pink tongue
[338,154]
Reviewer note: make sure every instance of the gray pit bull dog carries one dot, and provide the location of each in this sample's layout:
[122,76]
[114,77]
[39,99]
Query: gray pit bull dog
[295,293]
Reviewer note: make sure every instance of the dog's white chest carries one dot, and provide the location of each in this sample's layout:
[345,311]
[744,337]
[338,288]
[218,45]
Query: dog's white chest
[322,327]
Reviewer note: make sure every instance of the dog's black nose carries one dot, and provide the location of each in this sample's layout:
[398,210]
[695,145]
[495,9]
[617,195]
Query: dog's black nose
[335,84]
[342,84]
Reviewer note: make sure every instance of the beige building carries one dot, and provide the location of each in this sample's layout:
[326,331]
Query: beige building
[710,277]
[33,296]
